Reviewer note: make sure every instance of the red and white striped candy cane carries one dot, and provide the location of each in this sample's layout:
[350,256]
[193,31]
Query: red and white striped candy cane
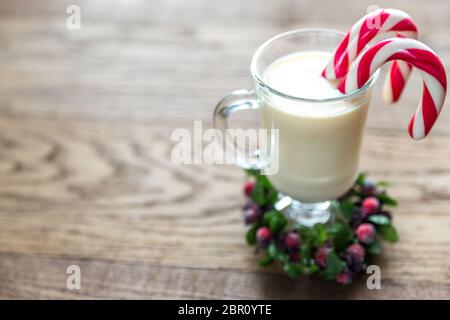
[363,31]
[421,57]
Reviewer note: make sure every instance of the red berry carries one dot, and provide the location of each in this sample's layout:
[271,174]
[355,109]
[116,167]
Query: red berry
[322,255]
[365,233]
[263,235]
[370,205]
[292,240]
[344,277]
[249,185]
[251,213]
[356,251]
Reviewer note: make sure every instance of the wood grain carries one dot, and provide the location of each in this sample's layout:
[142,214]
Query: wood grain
[85,169]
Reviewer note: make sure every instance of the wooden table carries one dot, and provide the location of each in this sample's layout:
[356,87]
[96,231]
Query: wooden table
[86,177]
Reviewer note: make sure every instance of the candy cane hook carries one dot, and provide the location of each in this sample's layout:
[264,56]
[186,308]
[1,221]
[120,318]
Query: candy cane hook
[421,57]
[363,31]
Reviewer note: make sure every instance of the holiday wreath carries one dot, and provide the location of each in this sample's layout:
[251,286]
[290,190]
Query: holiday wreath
[337,250]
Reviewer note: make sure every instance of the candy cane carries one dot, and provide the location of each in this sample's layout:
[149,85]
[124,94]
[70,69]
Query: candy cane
[421,57]
[363,31]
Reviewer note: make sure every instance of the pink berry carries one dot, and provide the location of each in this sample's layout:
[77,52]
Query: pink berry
[251,214]
[370,205]
[365,233]
[249,185]
[356,251]
[344,278]
[292,240]
[322,255]
[263,235]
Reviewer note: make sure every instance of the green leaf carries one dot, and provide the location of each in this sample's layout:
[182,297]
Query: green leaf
[334,266]
[251,235]
[263,193]
[272,197]
[294,270]
[361,178]
[383,184]
[341,235]
[379,219]
[305,252]
[305,233]
[320,234]
[272,250]
[346,209]
[264,262]
[375,248]
[267,216]
[275,220]
[252,172]
[259,194]
[384,198]
[388,233]
[275,253]
[313,268]
[264,181]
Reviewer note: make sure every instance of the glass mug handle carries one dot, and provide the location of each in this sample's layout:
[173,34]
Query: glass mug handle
[236,101]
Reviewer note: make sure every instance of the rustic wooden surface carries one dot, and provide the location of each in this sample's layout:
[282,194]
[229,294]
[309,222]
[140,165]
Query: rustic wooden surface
[85,170]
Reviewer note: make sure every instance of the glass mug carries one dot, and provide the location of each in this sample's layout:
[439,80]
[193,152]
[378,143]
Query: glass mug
[317,156]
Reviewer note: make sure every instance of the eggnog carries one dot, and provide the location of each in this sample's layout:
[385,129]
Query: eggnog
[319,141]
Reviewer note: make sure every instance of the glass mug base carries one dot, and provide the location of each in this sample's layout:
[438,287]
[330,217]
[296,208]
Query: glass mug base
[304,213]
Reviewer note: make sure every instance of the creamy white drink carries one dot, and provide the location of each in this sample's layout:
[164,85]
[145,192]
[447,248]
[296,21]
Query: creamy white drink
[319,142]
